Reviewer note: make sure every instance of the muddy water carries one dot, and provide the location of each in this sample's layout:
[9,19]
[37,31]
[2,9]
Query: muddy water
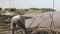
[44,19]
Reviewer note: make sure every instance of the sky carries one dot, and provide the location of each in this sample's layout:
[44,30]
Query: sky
[29,4]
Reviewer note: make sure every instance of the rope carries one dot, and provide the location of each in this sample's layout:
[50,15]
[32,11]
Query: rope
[11,6]
[52,22]
[33,21]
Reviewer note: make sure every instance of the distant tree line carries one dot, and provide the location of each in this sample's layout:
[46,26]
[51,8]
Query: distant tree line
[0,9]
[25,10]
[45,9]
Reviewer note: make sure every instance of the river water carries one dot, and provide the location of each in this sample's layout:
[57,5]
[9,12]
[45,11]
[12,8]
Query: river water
[44,19]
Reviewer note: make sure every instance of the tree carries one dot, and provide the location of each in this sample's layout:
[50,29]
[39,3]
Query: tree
[47,9]
[34,8]
[0,9]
